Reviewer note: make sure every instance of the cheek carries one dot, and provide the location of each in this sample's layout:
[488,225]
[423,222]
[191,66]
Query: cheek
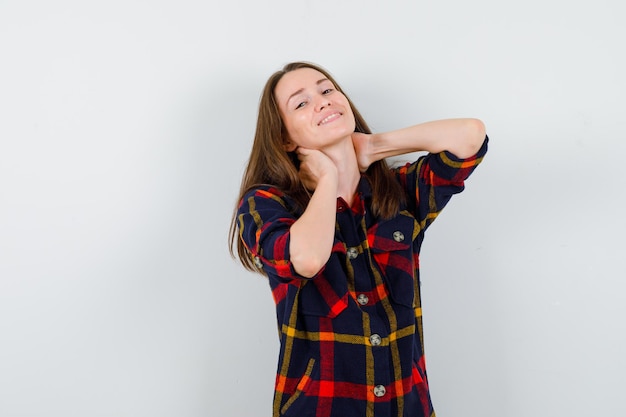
[352,121]
[298,129]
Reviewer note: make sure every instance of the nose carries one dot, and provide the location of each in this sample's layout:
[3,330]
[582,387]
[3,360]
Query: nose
[322,103]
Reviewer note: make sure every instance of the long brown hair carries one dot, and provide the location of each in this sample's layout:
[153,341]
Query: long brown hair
[269,163]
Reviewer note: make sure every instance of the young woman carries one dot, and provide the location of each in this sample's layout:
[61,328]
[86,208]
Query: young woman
[338,234]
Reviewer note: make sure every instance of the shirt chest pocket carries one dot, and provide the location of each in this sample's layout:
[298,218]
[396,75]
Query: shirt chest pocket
[391,245]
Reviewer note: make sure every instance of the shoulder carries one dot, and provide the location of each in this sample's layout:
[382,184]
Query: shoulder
[264,192]
[266,196]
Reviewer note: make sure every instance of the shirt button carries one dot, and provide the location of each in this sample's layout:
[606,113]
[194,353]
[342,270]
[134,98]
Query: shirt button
[379,390]
[398,236]
[375,340]
[257,262]
[352,253]
[362,299]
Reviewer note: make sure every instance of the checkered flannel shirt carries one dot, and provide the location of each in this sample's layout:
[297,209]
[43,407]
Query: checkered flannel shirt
[351,340]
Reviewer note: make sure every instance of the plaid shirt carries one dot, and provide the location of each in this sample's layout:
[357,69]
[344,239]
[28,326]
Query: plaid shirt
[351,340]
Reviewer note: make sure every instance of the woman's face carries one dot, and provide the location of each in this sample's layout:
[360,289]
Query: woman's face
[315,114]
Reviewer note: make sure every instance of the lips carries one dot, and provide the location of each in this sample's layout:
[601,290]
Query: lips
[329,118]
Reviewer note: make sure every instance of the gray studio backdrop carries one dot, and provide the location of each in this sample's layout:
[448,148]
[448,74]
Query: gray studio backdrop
[124,129]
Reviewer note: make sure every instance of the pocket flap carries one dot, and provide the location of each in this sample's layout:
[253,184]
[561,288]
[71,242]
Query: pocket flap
[392,235]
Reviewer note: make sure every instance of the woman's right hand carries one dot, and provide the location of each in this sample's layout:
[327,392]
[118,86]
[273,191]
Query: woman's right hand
[312,234]
[314,166]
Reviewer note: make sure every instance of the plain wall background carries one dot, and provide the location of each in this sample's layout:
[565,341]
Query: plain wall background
[124,129]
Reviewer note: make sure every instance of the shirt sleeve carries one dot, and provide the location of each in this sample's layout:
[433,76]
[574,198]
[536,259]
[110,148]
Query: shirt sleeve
[264,217]
[433,179]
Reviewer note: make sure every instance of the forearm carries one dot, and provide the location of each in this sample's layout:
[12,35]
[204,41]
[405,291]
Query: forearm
[312,235]
[461,137]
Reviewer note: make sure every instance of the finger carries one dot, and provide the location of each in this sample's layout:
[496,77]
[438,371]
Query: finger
[303,151]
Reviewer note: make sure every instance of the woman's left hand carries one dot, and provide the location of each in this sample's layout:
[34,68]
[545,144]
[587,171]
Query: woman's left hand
[363,148]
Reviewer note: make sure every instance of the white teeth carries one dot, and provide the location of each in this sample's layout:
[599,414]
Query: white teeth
[327,118]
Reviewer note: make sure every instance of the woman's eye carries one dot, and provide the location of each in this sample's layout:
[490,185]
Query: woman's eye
[301,105]
[327,91]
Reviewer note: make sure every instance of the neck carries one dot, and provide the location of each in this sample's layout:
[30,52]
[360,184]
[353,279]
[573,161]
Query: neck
[344,157]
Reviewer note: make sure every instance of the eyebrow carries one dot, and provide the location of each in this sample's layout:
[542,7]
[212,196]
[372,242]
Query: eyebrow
[302,89]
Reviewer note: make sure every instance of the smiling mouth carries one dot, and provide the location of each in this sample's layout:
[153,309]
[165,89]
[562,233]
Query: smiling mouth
[329,118]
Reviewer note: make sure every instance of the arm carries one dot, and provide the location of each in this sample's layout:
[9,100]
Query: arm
[461,137]
[312,235]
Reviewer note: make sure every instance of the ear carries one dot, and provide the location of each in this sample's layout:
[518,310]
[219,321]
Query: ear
[288,145]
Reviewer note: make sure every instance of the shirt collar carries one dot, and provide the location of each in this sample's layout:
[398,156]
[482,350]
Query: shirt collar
[361,200]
